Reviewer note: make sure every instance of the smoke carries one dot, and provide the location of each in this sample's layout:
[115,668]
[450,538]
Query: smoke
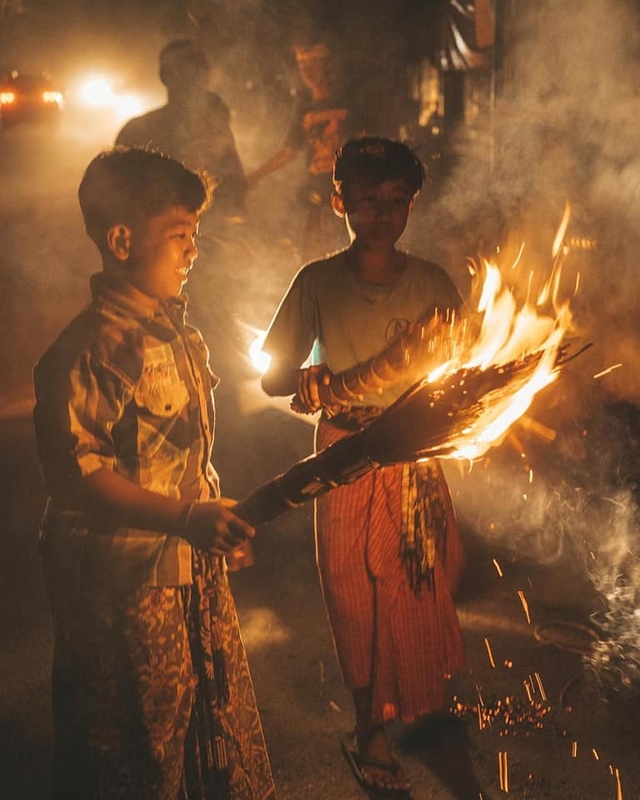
[563,129]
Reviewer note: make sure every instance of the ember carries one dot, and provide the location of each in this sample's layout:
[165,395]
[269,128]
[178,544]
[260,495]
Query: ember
[510,716]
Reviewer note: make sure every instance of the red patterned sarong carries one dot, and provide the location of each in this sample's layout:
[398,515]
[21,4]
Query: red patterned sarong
[399,640]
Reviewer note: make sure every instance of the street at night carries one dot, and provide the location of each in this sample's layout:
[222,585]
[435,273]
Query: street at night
[548,602]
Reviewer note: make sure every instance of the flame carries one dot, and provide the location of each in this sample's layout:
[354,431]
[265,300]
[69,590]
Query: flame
[510,332]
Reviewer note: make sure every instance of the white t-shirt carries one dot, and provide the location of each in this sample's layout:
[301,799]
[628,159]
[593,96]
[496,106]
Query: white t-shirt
[350,321]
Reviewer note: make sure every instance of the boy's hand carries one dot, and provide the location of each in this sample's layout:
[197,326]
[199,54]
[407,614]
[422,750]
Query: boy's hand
[309,381]
[213,526]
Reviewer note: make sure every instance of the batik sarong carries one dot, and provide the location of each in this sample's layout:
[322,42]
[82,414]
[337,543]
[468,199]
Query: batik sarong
[152,695]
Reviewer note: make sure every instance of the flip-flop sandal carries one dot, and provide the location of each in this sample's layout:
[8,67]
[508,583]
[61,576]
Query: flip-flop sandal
[357,763]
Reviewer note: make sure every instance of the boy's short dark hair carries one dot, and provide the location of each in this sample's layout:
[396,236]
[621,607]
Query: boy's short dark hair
[376,159]
[131,185]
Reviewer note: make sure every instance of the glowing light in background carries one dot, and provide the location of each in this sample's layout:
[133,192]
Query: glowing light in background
[260,360]
[52,97]
[98,92]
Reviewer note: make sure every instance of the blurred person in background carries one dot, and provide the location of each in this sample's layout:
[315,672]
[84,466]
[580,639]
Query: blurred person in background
[193,127]
[325,117]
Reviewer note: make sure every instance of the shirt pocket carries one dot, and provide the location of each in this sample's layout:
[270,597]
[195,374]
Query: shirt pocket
[161,396]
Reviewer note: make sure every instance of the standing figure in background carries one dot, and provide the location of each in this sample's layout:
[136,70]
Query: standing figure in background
[324,119]
[152,696]
[193,127]
[388,547]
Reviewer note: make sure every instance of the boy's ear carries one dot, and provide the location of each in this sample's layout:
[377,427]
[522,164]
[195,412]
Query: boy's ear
[119,241]
[337,203]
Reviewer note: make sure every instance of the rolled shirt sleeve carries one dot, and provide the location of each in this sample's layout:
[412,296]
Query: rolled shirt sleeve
[75,414]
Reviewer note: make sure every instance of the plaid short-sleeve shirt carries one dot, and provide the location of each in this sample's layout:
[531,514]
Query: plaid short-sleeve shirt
[126,386]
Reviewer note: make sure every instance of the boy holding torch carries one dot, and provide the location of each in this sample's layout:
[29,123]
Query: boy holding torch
[388,548]
[152,697]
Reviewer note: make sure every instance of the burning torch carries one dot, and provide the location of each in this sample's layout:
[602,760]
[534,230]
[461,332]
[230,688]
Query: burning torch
[429,420]
[475,381]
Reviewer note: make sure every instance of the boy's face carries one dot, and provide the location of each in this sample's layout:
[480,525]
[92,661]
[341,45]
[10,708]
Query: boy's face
[314,72]
[162,253]
[377,213]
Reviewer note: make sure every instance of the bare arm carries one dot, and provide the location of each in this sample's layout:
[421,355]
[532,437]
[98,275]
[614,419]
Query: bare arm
[277,161]
[280,380]
[304,383]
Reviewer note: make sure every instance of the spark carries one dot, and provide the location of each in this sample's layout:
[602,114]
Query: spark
[497,566]
[525,605]
[557,242]
[606,371]
[574,749]
[518,256]
[540,686]
[618,785]
[525,683]
[503,768]
[489,653]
